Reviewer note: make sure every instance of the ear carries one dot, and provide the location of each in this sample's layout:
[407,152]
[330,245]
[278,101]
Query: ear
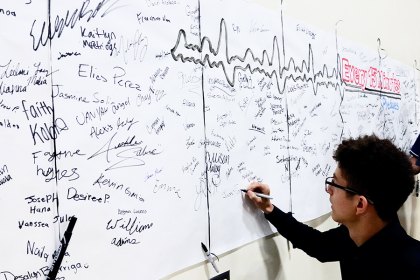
[362,205]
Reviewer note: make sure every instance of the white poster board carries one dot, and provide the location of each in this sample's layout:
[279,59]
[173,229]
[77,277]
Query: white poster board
[145,119]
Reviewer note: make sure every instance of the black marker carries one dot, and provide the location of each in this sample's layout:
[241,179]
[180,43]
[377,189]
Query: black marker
[209,257]
[259,194]
[63,247]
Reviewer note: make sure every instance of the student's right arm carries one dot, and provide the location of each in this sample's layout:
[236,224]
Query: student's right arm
[331,245]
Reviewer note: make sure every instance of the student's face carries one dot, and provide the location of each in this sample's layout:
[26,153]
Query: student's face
[343,204]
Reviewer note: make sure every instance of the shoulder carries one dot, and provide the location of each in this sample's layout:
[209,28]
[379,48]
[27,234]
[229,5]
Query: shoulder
[413,247]
[409,254]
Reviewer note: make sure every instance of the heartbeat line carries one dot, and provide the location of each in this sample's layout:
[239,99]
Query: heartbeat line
[268,65]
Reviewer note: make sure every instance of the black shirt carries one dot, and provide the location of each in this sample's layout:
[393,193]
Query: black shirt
[390,254]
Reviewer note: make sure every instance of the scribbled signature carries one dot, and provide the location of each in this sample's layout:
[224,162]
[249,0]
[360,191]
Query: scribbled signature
[129,153]
[201,191]
[204,189]
[134,49]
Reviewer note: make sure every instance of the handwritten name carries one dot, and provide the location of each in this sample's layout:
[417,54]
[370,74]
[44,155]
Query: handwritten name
[43,33]
[130,225]
[126,157]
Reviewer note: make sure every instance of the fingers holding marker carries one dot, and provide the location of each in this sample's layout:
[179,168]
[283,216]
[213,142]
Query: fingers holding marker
[258,193]
[253,194]
[259,189]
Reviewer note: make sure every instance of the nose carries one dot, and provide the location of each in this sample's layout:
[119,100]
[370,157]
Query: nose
[328,189]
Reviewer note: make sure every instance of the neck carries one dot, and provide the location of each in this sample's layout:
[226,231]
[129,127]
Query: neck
[365,228]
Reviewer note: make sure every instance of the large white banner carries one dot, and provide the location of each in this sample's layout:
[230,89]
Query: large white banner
[145,119]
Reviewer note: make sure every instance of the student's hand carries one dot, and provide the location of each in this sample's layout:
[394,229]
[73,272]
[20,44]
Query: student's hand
[262,203]
[416,168]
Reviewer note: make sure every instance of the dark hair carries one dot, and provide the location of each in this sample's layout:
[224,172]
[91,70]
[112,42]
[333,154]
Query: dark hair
[377,169]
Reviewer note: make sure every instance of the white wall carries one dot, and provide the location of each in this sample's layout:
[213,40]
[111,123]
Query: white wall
[396,24]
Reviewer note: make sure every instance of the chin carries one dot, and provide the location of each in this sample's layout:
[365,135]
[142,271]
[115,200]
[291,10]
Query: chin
[334,217]
[337,220]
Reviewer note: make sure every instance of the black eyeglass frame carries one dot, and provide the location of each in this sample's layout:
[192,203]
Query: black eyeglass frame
[328,181]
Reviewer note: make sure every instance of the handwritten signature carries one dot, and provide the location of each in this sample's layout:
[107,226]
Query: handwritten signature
[129,152]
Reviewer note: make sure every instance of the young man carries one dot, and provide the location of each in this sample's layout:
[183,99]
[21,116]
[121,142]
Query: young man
[372,180]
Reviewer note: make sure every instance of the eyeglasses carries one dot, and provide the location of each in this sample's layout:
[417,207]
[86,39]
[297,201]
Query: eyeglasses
[329,182]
